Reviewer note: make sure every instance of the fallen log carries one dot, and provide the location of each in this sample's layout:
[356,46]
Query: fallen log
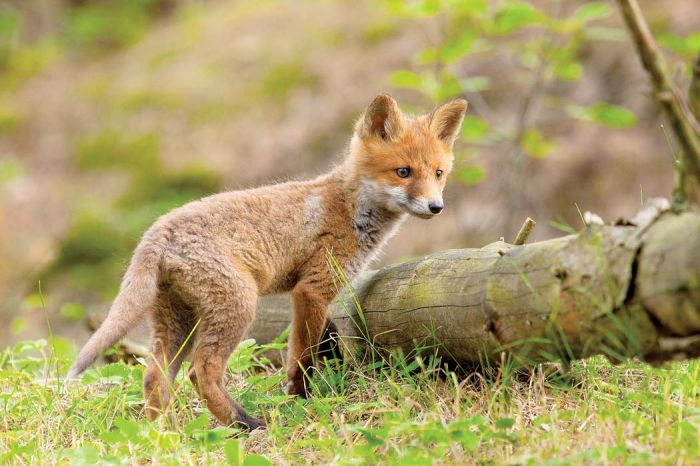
[626,290]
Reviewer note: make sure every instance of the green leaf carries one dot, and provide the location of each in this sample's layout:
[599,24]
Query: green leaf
[114,370]
[168,441]
[448,88]
[471,7]
[33,301]
[591,11]
[197,424]
[674,42]
[454,50]
[693,42]
[111,436]
[233,452]
[505,423]
[567,70]
[475,84]
[73,311]
[18,325]
[468,439]
[427,56]
[129,429]
[62,348]
[605,114]
[470,175]
[29,345]
[256,460]
[474,128]
[88,455]
[535,145]
[10,169]
[406,79]
[430,7]
[515,16]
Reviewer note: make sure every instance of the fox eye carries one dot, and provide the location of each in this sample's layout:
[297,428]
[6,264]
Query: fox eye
[438,173]
[403,172]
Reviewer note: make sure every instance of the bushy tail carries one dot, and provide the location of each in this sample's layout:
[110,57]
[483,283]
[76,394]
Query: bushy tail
[136,297]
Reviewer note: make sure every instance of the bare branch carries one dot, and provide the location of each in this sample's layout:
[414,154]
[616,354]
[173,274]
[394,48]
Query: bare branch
[524,232]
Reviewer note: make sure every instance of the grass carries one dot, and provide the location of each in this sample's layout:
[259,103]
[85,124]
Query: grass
[407,412]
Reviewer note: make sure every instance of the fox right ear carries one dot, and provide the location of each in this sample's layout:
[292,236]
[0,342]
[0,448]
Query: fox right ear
[446,120]
[382,119]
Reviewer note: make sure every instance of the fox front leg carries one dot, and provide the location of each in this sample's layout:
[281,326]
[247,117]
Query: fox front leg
[308,323]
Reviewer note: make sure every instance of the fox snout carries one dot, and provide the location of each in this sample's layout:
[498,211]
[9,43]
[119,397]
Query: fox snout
[424,208]
[399,199]
[436,206]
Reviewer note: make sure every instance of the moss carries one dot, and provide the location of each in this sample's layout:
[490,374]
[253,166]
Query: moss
[283,78]
[329,142]
[208,111]
[90,240]
[95,88]
[108,25]
[9,121]
[332,37]
[10,168]
[95,249]
[375,33]
[163,191]
[164,56]
[110,149]
[24,61]
[152,98]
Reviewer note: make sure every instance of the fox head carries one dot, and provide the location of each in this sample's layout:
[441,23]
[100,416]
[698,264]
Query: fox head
[403,161]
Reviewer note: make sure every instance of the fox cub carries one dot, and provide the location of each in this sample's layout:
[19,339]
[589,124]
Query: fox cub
[206,263]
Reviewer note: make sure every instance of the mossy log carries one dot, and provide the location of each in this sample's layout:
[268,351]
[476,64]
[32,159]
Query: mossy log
[631,289]
[623,290]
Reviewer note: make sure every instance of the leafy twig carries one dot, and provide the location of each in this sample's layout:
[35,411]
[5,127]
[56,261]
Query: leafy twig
[694,90]
[683,123]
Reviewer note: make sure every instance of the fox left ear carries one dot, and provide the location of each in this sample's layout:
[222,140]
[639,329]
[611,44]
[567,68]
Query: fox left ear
[382,119]
[446,120]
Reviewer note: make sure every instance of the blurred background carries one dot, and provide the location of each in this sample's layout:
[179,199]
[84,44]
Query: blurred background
[114,111]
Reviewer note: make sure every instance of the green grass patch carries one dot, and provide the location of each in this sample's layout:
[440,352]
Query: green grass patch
[408,412]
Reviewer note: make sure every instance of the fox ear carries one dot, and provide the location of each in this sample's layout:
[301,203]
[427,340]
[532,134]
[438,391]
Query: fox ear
[382,119]
[446,120]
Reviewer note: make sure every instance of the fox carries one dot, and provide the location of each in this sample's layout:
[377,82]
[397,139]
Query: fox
[198,270]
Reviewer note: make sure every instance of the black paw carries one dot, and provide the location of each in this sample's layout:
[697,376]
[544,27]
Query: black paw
[249,423]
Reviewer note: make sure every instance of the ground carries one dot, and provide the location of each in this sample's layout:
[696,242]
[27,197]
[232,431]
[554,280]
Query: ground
[410,412]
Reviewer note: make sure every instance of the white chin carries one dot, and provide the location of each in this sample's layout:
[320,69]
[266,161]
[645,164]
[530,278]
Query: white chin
[424,215]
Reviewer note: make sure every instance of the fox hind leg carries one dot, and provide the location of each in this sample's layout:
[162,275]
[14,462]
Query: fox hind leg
[172,324]
[225,303]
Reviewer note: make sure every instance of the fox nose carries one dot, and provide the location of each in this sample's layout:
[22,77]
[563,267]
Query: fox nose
[436,206]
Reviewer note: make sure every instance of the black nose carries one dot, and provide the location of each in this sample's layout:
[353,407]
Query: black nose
[436,207]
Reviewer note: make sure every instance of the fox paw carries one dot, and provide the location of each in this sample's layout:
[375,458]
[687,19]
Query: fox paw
[249,423]
[297,386]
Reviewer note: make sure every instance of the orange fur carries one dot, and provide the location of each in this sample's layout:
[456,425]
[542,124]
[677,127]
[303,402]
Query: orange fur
[209,260]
